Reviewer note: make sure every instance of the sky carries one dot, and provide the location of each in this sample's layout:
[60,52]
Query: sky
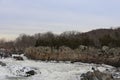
[57,16]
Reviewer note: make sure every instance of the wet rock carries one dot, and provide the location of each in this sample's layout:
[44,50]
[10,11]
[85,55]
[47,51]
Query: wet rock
[22,71]
[5,54]
[116,75]
[30,73]
[96,75]
[18,57]
[2,64]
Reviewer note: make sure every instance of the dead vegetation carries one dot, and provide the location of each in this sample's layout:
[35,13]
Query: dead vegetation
[82,54]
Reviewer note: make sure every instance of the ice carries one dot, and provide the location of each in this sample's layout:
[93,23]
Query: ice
[16,70]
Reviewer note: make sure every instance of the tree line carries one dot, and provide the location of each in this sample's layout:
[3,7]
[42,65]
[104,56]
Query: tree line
[72,39]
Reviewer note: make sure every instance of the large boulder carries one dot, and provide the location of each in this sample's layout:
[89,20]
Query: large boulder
[96,75]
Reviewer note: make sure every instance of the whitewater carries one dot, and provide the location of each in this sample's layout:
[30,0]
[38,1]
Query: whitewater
[51,70]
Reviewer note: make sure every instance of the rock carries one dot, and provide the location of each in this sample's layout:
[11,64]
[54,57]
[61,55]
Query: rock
[96,75]
[30,73]
[5,54]
[2,64]
[18,57]
[22,71]
[116,75]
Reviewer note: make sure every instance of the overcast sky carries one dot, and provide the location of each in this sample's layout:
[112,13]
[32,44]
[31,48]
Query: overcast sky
[33,16]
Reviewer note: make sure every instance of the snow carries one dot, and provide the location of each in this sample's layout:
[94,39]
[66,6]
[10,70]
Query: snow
[45,70]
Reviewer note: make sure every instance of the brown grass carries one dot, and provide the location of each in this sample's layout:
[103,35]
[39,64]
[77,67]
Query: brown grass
[67,54]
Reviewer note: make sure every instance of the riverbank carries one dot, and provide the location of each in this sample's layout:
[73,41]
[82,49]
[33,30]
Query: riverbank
[106,55]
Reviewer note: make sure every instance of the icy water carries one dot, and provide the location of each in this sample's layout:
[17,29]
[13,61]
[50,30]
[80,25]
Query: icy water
[46,70]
